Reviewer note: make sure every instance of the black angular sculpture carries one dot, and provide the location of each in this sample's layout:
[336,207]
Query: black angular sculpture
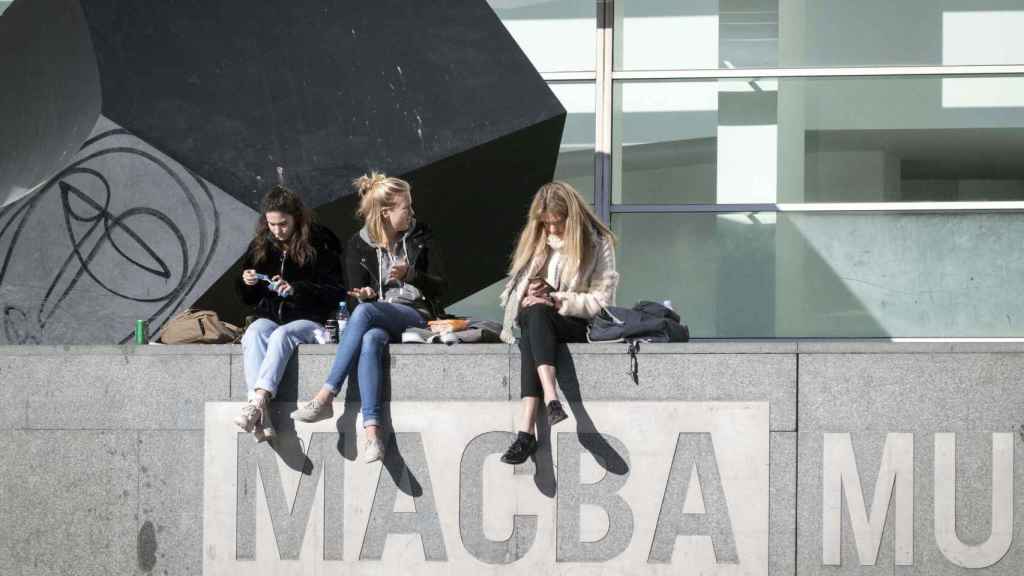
[230,89]
[51,94]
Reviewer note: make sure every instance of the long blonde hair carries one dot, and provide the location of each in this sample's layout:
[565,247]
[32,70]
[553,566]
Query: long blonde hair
[378,191]
[581,225]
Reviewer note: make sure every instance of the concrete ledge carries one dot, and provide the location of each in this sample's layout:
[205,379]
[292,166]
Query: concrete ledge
[104,464]
[887,347]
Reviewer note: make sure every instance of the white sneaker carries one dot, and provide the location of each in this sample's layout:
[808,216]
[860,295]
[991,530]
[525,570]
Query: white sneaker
[314,411]
[255,418]
[264,429]
[249,417]
[373,450]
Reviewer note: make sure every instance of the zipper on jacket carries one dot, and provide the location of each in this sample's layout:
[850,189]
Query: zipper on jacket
[280,305]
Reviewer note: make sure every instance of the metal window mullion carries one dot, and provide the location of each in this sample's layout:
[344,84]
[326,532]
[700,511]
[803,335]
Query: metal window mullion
[603,110]
[835,208]
[568,76]
[712,73]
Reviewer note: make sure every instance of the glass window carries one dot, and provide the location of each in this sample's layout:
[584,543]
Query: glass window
[828,275]
[482,305]
[3,6]
[556,35]
[695,142]
[901,139]
[796,140]
[576,154]
[700,34]
[695,34]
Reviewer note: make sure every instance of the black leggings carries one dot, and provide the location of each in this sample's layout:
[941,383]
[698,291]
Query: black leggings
[543,328]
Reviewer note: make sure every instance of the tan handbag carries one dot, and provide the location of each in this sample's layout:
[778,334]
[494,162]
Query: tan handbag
[199,327]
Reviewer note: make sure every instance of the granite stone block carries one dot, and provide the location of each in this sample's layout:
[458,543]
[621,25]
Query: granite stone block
[70,503]
[868,450]
[971,398]
[445,375]
[973,514]
[170,519]
[118,392]
[691,377]
[937,392]
[782,494]
[122,350]
[14,395]
[886,346]
[290,389]
[692,347]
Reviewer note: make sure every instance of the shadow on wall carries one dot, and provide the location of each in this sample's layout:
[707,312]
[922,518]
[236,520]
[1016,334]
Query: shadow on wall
[799,275]
[291,450]
[915,275]
[741,275]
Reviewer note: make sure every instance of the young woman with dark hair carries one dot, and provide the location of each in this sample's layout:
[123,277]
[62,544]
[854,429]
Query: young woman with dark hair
[291,277]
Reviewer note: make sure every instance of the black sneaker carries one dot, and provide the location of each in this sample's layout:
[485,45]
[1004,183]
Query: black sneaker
[555,413]
[523,447]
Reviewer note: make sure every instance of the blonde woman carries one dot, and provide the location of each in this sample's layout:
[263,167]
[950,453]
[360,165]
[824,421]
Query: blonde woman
[394,279]
[562,274]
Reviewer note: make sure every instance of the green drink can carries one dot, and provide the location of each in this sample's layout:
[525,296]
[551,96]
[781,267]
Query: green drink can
[141,332]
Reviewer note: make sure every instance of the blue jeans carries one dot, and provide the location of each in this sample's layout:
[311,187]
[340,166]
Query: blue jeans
[266,349]
[371,327]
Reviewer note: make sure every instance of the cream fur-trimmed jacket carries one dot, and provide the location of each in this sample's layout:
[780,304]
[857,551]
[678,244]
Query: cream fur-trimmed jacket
[586,294]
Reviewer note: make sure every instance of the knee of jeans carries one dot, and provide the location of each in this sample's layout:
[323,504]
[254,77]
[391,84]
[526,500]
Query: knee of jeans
[255,330]
[375,339]
[280,335]
[364,311]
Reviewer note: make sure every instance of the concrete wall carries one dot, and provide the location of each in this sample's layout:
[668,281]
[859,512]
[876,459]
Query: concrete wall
[123,460]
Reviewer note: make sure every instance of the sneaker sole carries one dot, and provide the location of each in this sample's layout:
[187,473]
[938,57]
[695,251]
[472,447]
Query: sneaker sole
[517,462]
[555,420]
[264,434]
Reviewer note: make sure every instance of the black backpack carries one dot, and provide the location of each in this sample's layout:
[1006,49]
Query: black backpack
[645,321]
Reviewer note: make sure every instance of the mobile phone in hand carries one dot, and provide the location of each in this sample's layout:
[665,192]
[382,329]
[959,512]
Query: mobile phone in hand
[545,286]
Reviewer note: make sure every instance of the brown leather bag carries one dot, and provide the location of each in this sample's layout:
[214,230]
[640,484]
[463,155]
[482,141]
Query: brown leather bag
[199,327]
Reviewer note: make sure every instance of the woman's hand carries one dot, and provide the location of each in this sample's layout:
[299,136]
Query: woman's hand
[249,277]
[281,286]
[539,287]
[398,271]
[556,300]
[364,293]
[531,300]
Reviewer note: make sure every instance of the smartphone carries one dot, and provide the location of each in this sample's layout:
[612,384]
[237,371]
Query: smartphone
[547,288]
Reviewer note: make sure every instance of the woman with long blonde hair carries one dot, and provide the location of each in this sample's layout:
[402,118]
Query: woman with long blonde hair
[394,277]
[562,274]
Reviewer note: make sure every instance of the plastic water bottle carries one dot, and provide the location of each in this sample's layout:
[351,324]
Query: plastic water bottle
[342,318]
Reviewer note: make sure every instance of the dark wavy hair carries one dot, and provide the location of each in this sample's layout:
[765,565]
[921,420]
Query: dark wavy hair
[298,246]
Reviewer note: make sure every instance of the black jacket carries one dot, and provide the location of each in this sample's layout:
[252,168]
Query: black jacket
[316,287]
[425,268]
